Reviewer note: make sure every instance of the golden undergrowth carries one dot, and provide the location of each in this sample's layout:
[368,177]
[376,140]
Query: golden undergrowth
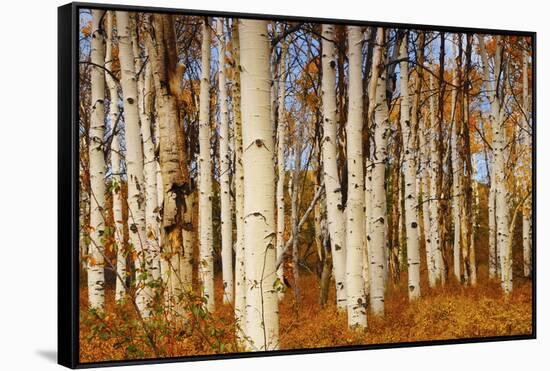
[449,312]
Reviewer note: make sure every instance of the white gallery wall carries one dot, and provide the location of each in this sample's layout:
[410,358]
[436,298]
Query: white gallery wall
[28,182]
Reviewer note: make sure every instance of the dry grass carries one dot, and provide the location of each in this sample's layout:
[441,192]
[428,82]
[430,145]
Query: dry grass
[449,312]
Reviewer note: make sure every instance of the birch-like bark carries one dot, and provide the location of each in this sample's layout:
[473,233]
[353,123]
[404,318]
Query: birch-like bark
[368,220]
[96,264]
[120,290]
[84,201]
[355,215]
[409,164]
[177,188]
[134,163]
[526,236]
[145,106]
[281,142]
[293,189]
[335,216]
[262,313]
[381,129]
[455,160]
[240,281]
[435,204]
[526,214]
[494,270]
[225,166]
[499,147]
[468,219]
[206,247]
[425,194]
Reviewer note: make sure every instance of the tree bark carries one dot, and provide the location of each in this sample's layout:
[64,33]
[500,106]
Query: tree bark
[176,184]
[494,96]
[293,189]
[240,281]
[262,313]
[116,157]
[355,224]
[225,167]
[335,216]
[281,142]
[206,247]
[381,129]
[455,160]
[411,201]
[134,164]
[526,214]
[96,264]
[435,239]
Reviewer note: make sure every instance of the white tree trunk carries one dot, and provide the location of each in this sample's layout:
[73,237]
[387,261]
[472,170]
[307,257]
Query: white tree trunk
[293,190]
[262,313]
[499,148]
[436,248]
[368,222]
[134,163]
[120,290]
[494,270]
[425,178]
[96,270]
[281,142]
[527,228]
[335,216]
[526,219]
[145,103]
[409,163]
[240,281]
[377,246]
[355,214]
[225,168]
[456,204]
[206,259]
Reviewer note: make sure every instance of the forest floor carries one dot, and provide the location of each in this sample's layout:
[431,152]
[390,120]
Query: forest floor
[449,312]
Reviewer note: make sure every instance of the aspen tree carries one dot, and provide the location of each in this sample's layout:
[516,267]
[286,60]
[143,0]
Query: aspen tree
[335,216]
[418,122]
[381,129]
[293,189]
[455,158]
[411,202]
[134,162]
[526,214]
[225,166]
[372,86]
[281,142]
[206,248]
[494,269]
[114,112]
[425,194]
[262,313]
[468,222]
[494,96]
[526,239]
[84,200]
[96,265]
[145,103]
[355,224]
[368,221]
[240,281]
[176,185]
[435,204]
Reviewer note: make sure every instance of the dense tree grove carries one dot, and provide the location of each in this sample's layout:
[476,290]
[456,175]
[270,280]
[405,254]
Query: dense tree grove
[238,174]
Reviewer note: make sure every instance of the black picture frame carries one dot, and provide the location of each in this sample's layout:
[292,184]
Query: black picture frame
[68,185]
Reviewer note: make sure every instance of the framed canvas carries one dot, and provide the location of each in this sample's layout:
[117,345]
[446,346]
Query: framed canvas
[238,185]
